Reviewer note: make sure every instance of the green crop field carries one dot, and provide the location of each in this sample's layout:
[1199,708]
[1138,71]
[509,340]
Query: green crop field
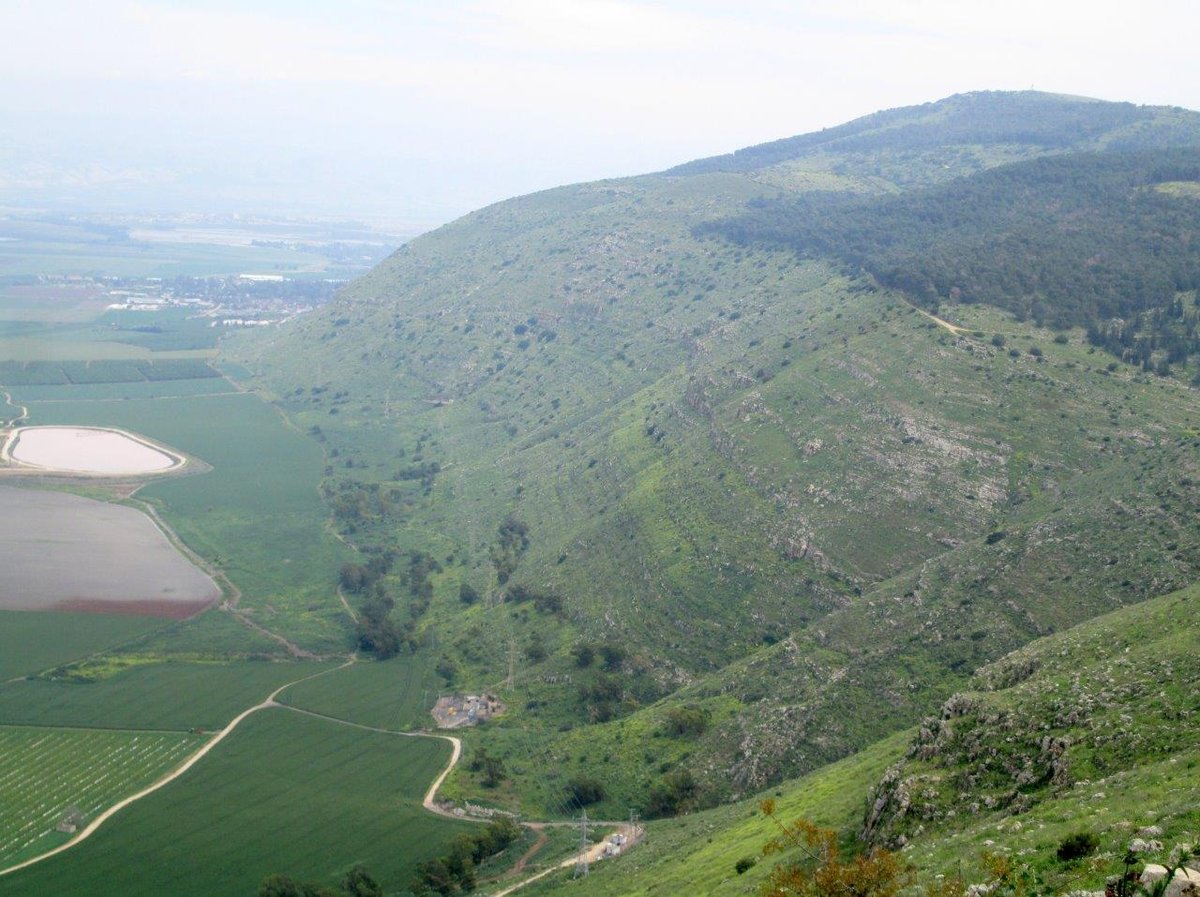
[149,695]
[213,634]
[79,348]
[115,392]
[34,642]
[80,373]
[58,304]
[257,514]
[394,694]
[43,772]
[286,793]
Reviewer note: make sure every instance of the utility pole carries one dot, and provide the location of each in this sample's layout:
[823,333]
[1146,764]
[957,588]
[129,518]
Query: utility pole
[581,864]
[512,661]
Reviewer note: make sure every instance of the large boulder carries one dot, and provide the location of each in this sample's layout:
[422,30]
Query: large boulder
[1185,883]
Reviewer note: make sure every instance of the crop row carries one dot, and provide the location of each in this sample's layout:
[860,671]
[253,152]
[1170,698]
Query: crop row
[45,773]
[28,373]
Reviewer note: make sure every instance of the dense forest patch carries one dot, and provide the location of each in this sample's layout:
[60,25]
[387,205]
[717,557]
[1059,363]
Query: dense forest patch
[1084,239]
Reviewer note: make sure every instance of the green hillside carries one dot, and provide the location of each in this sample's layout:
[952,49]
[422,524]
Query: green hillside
[683,479]
[1080,239]
[959,135]
[1086,731]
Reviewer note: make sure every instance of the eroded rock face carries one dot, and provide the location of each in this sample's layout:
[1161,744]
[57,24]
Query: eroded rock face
[971,758]
[888,802]
[1054,752]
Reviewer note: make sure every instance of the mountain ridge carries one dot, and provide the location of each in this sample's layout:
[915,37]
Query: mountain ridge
[989,117]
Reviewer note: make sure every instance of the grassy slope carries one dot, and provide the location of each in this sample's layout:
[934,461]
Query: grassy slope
[937,465]
[1118,694]
[695,854]
[692,431]
[1121,689]
[287,793]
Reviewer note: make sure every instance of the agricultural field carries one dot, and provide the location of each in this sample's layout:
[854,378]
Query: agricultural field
[32,643]
[135,691]
[34,304]
[213,634]
[48,247]
[44,772]
[284,793]
[39,244]
[256,515]
[394,694]
[119,392]
[116,700]
[82,373]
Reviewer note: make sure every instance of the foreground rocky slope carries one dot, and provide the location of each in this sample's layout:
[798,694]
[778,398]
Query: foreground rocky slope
[1090,731]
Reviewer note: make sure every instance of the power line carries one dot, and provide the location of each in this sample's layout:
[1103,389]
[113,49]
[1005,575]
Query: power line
[512,662]
[581,864]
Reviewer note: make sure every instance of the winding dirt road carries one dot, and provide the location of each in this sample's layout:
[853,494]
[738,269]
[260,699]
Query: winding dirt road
[170,777]
[429,802]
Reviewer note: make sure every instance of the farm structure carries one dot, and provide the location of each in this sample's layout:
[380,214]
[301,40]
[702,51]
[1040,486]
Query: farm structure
[459,711]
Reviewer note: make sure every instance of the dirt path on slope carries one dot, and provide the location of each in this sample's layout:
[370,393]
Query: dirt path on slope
[595,854]
[542,838]
[346,604]
[941,322]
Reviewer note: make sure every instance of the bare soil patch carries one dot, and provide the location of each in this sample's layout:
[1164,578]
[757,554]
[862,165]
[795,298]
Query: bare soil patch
[65,552]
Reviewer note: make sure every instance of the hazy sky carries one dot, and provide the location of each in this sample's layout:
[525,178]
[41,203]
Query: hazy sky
[419,111]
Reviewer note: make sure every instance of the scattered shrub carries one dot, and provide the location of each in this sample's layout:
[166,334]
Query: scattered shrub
[689,721]
[1077,846]
[585,790]
[676,793]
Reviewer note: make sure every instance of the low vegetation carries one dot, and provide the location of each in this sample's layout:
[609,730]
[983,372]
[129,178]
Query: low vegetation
[456,870]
